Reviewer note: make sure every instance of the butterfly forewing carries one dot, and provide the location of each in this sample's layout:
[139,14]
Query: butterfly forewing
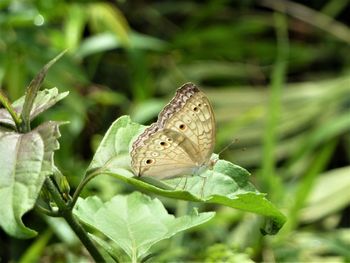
[196,121]
[181,141]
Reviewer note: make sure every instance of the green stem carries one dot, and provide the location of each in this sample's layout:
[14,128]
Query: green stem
[7,104]
[66,212]
[80,187]
[181,210]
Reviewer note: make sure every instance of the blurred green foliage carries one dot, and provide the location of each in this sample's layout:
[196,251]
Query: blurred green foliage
[277,75]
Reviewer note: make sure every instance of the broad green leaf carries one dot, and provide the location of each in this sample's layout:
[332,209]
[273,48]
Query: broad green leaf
[227,184]
[44,100]
[25,161]
[112,154]
[135,222]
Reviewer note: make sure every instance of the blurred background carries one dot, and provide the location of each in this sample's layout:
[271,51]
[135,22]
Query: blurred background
[276,72]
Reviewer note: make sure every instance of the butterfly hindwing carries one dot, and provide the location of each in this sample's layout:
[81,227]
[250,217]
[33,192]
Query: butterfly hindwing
[161,156]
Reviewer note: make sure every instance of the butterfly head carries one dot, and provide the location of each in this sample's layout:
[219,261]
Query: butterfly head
[209,165]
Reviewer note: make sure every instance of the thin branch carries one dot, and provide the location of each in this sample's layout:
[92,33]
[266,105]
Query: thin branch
[80,187]
[67,214]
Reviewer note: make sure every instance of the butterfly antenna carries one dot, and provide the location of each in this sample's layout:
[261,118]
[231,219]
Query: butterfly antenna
[227,146]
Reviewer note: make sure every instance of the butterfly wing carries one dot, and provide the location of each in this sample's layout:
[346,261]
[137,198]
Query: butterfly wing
[190,114]
[180,141]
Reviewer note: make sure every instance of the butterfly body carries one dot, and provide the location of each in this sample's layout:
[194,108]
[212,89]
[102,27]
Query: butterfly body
[182,140]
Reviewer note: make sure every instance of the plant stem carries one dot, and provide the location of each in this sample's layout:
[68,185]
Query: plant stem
[181,210]
[66,212]
[7,104]
[80,187]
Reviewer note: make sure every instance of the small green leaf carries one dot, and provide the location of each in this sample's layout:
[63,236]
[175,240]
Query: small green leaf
[227,184]
[135,222]
[32,92]
[25,161]
[44,100]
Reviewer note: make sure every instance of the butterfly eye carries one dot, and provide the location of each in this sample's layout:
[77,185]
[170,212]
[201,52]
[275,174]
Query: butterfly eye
[164,144]
[169,139]
[182,126]
[149,161]
[195,109]
[199,104]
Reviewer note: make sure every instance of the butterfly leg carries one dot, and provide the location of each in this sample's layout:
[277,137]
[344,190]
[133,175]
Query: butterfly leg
[184,187]
[203,185]
[177,185]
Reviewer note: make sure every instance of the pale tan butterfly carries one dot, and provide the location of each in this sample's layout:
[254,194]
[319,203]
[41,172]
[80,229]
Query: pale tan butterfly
[182,140]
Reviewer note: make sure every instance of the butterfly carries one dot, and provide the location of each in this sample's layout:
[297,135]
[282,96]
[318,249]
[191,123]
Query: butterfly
[182,140]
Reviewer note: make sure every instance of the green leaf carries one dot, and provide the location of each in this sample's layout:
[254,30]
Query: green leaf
[227,184]
[32,92]
[112,153]
[44,100]
[135,222]
[25,161]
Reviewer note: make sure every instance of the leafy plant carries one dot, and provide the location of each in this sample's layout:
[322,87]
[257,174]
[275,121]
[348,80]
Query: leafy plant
[133,223]
[278,78]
